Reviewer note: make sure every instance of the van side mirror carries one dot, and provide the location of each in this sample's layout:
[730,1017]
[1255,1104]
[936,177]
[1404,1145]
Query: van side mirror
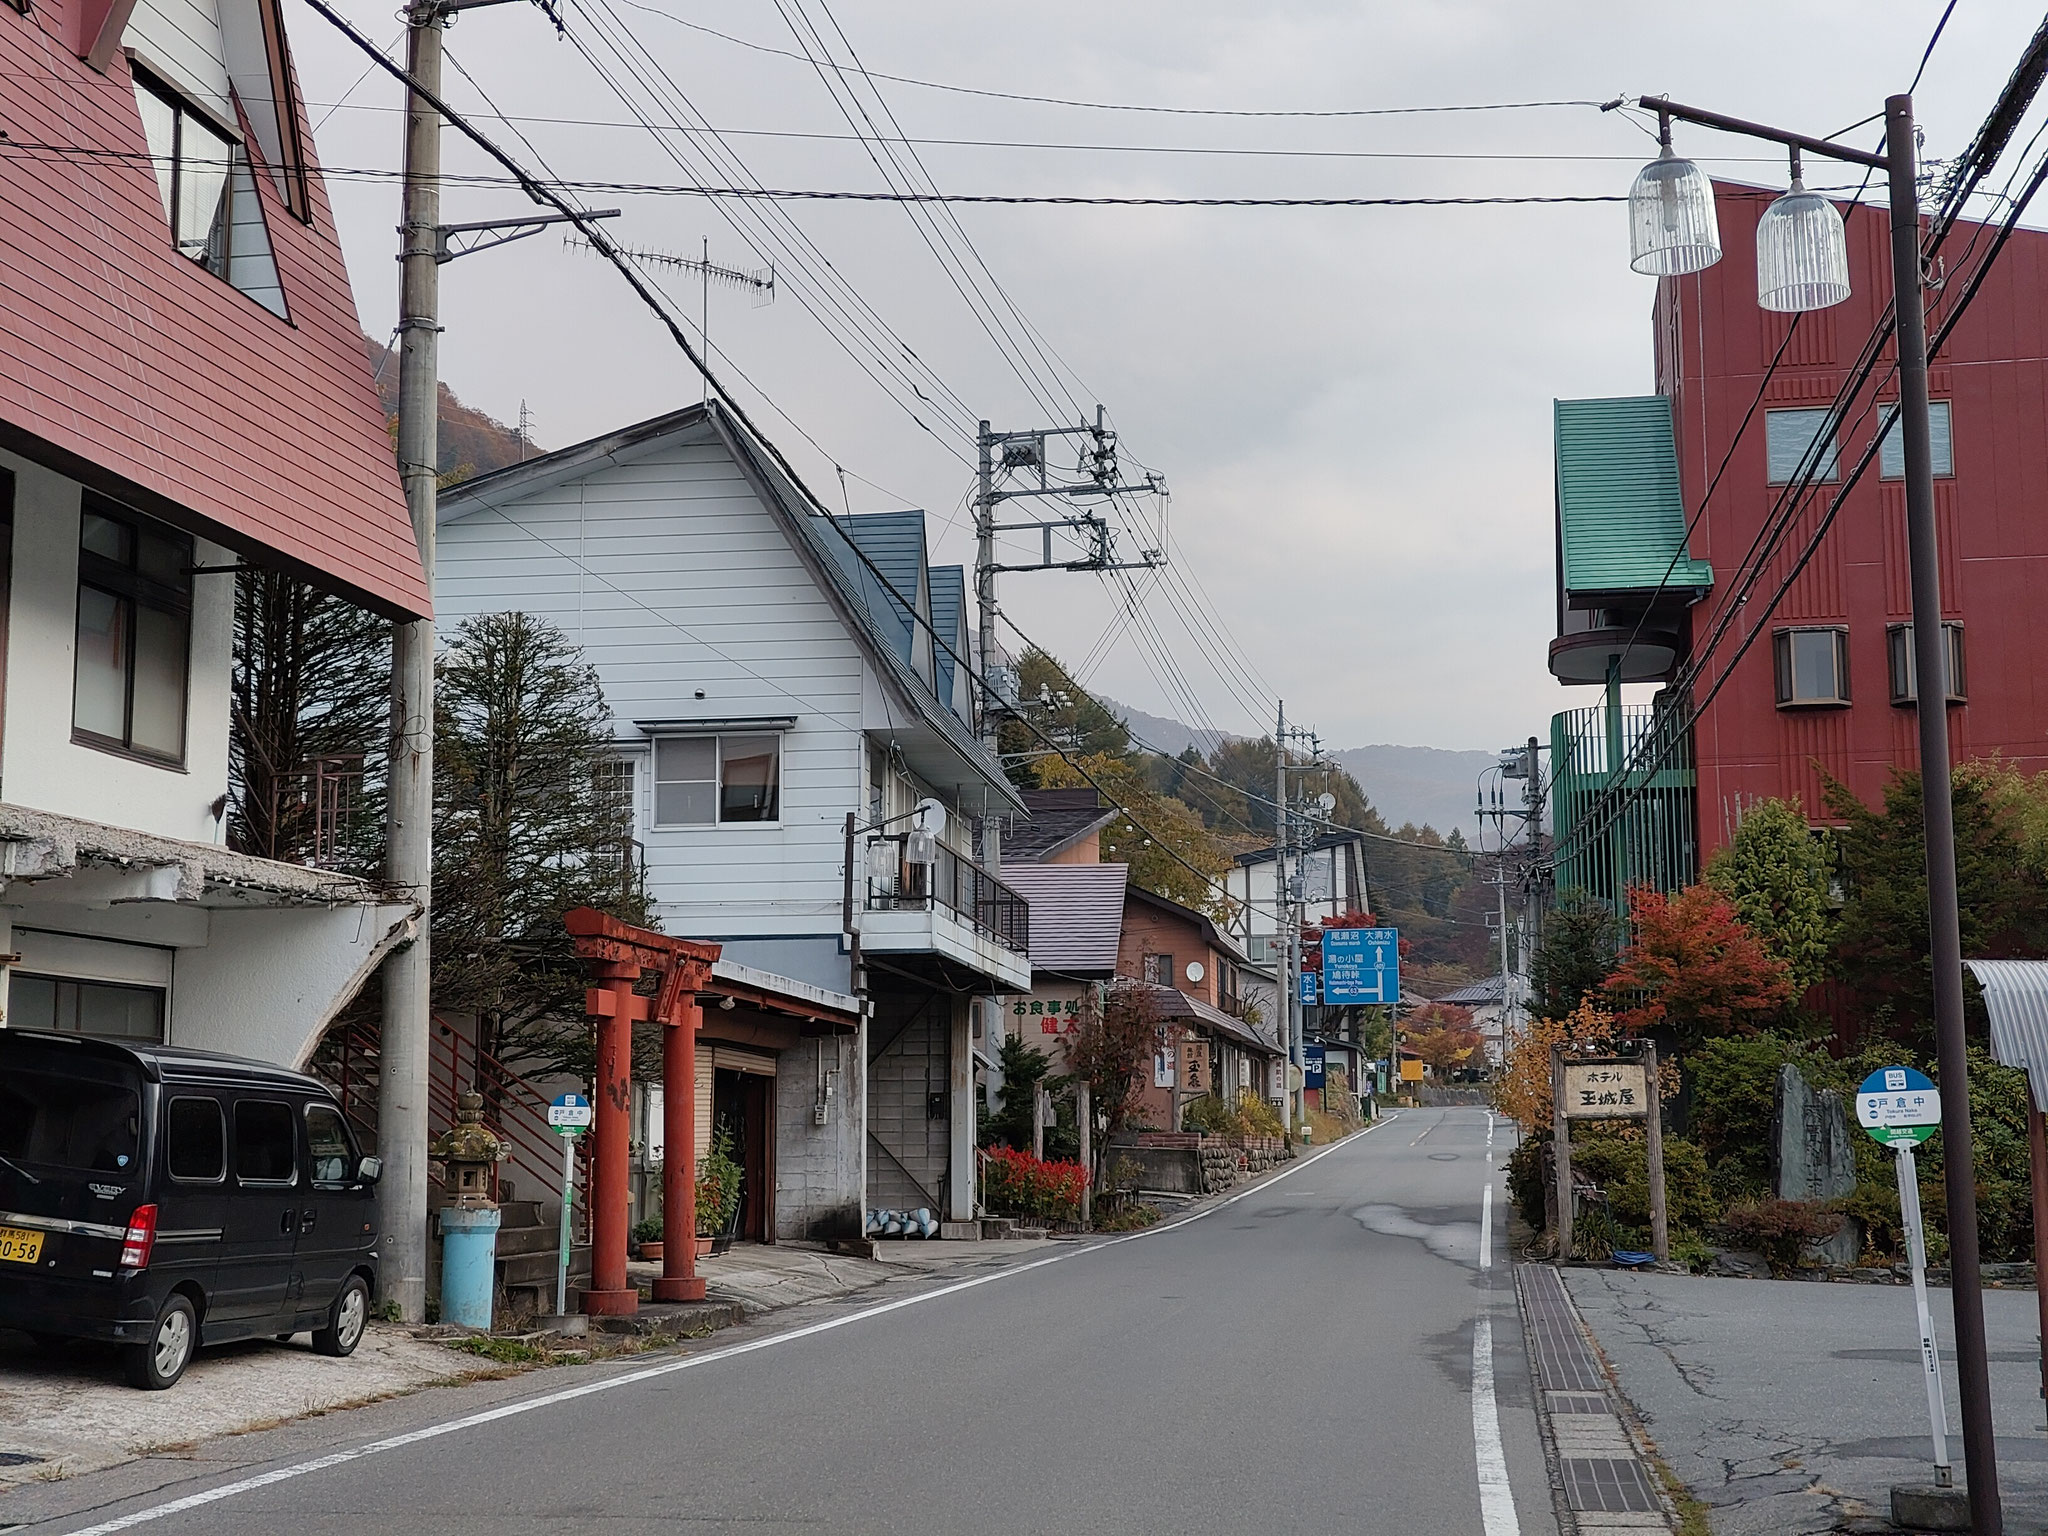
[369,1170]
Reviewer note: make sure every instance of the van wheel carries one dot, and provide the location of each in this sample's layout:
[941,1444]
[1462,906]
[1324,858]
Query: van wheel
[343,1330]
[160,1362]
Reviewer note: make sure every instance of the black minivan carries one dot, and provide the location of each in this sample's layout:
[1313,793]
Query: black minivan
[162,1198]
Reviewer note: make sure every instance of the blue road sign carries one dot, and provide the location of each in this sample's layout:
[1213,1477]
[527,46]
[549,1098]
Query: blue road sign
[1311,1066]
[1308,987]
[1361,965]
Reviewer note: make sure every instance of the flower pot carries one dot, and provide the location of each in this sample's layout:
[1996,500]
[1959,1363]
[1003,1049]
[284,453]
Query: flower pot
[704,1245]
[649,1252]
[722,1243]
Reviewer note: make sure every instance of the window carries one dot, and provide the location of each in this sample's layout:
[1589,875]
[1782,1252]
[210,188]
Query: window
[1891,448]
[266,1142]
[1904,691]
[612,779]
[1813,666]
[327,1139]
[699,780]
[1789,435]
[58,1120]
[209,197]
[134,633]
[97,1008]
[196,1141]
[1159,970]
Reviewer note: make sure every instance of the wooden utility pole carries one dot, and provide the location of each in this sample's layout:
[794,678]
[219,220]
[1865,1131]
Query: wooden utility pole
[1561,1154]
[1653,1131]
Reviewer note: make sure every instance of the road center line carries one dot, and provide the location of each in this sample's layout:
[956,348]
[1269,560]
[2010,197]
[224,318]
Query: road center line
[286,1473]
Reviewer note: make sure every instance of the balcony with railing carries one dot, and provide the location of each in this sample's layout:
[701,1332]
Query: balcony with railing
[950,906]
[1623,800]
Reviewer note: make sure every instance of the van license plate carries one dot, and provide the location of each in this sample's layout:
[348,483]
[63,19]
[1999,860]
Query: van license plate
[20,1245]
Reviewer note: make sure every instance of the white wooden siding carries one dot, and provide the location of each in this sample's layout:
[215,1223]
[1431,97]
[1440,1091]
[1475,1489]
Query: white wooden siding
[674,578]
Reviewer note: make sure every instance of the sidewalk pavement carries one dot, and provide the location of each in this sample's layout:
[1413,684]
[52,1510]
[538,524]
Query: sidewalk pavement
[68,1413]
[1793,1406]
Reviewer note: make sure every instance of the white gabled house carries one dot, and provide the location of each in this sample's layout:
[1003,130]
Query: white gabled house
[771,673]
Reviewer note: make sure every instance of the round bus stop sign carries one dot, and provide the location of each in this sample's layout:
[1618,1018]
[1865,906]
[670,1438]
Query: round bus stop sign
[571,1115]
[1898,1104]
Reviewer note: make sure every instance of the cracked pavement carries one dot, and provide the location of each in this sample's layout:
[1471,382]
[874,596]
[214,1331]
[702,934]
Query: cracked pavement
[1793,1406]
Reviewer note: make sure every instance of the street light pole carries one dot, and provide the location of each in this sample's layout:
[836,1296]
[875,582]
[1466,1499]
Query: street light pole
[1689,244]
[1938,821]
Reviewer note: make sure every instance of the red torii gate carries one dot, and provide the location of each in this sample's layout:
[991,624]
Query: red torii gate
[619,953]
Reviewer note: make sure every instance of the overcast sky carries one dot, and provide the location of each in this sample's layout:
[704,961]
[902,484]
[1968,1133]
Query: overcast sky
[1352,406]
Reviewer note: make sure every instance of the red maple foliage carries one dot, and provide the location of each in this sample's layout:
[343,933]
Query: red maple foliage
[1692,965]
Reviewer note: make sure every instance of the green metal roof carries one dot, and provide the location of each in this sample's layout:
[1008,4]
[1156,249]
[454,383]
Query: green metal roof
[1620,515]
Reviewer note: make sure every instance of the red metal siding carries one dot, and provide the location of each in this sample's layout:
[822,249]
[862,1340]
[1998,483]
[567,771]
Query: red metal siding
[1714,345]
[125,362]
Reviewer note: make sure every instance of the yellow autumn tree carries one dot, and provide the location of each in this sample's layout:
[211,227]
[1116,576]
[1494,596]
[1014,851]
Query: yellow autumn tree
[1521,1090]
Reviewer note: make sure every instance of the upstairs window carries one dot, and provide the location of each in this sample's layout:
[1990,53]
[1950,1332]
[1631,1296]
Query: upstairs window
[1891,448]
[208,194]
[1904,689]
[701,781]
[134,634]
[1813,667]
[1159,970]
[1789,435]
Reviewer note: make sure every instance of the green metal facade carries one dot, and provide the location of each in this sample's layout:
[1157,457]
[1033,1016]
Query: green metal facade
[1651,840]
[1620,514]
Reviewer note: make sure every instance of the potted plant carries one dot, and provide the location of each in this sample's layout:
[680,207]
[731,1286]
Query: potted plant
[647,1238]
[718,1195]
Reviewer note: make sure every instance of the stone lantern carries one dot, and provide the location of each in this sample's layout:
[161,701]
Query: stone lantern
[469,1222]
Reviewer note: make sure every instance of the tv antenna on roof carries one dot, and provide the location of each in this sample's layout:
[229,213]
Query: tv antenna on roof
[759,283]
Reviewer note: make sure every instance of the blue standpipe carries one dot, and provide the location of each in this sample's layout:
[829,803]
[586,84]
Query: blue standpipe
[469,1252]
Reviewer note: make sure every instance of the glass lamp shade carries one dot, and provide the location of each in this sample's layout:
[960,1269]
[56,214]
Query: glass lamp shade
[1672,229]
[1802,254]
[920,847]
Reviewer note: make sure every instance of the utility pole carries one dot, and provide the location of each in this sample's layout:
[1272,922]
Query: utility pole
[1286,931]
[402,1122]
[1015,455]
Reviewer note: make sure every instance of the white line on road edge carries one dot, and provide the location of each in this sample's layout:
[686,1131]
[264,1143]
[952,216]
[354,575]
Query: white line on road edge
[569,1394]
[1496,1498]
[1486,1227]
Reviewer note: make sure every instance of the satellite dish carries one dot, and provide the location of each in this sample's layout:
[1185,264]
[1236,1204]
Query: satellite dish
[931,815]
[1327,801]
[1195,972]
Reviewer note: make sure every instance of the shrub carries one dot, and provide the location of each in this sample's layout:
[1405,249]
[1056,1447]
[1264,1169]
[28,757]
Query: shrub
[1022,1185]
[1129,1216]
[647,1230]
[1781,1229]
[1212,1116]
[718,1186]
[1525,1180]
[1260,1117]
[1618,1160]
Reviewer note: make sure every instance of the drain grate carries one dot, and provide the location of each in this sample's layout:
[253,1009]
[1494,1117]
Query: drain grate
[20,1459]
[1611,1485]
[1578,1402]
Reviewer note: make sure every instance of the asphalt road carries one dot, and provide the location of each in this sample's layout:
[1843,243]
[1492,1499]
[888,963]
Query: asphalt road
[1301,1358]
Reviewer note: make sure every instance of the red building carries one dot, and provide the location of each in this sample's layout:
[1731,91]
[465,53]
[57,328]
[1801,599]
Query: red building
[1827,687]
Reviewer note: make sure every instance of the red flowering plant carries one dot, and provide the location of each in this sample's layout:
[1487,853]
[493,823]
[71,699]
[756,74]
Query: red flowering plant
[1019,1184]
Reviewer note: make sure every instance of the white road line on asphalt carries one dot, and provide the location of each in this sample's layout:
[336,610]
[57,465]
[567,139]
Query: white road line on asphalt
[1486,1227]
[1496,1498]
[668,1368]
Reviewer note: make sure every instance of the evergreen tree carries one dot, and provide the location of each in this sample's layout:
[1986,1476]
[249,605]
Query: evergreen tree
[1883,950]
[528,823]
[1574,956]
[311,680]
[1775,873]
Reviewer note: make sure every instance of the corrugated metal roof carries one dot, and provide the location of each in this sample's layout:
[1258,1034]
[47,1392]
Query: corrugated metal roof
[1481,992]
[2016,997]
[1620,514]
[1077,914]
[1176,1005]
[949,597]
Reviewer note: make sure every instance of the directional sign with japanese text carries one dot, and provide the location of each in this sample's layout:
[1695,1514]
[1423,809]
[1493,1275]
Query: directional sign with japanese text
[1361,965]
[1604,1090]
[1308,988]
[1898,1104]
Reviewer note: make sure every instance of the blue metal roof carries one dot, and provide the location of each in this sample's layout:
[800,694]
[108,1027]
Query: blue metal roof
[949,597]
[894,541]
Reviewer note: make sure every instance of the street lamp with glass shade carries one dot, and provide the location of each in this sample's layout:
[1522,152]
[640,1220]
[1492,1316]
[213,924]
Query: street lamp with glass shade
[1672,226]
[1802,251]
